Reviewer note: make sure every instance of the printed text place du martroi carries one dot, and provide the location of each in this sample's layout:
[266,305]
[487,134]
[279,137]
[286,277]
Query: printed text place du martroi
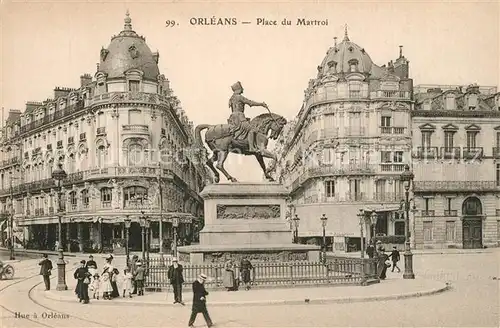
[200,21]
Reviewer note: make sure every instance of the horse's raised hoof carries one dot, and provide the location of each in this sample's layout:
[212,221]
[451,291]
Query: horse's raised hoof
[216,179]
[233,180]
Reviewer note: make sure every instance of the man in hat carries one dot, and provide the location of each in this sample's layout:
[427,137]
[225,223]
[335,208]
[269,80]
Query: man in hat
[240,125]
[395,257]
[139,279]
[176,280]
[200,301]
[45,269]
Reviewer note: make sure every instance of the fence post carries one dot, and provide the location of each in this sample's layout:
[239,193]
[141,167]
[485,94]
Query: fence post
[363,276]
[216,276]
[291,274]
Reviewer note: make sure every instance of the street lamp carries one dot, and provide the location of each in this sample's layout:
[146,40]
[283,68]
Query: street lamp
[148,241]
[175,225]
[296,221]
[407,176]
[142,221]
[59,175]
[373,219]
[361,216]
[324,220]
[127,222]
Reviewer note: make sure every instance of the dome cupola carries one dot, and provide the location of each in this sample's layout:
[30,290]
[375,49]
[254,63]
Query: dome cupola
[128,51]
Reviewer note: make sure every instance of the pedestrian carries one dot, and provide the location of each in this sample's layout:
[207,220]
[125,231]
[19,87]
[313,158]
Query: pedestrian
[381,259]
[133,267]
[127,282]
[245,268]
[395,257]
[228,276]
[176,280]
[82,276]
[370,250]
[139,279]
[45,269]
[91,265]
[200,301]
[95,286]
[112,274]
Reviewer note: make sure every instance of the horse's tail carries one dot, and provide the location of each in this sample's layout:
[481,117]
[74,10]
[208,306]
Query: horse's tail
[197,133]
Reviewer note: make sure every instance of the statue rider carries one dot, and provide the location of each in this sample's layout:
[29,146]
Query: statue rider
[240,125]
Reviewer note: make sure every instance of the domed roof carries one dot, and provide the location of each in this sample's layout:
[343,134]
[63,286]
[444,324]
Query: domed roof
[339,58]
[126,51]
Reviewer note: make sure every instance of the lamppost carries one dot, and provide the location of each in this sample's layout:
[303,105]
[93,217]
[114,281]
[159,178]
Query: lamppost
[142,221]
[373,219]
[101,242]
[175,225]
[296,221]
[148,242]
[324,220]
[361,216]
[59,175]
[127,222]
[407,176]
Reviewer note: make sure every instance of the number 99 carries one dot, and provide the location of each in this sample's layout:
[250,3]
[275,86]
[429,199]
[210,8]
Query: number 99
[170,23]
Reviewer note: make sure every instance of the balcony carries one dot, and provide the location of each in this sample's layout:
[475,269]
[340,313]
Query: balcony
[39,212]
[59,144]
[450,152]
[71,140]
[51,210]
[354,131]
[344,169]
[101,131]
[452,213]
[387,197]
[393,167]
[106,204]
[473,153]
[495,151]
[356,94]
[392,130]
[428,213]
[427,152]
[49,147]
[356,197]
[136,129]
[390,94]
[83,136]
[329,133]
[151,98]
[11,161]
[455,186]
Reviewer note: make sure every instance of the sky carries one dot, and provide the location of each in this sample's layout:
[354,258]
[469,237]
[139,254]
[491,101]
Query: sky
[48,44]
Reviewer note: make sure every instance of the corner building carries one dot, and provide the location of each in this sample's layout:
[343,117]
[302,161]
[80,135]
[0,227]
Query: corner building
[348,147]
[124,141]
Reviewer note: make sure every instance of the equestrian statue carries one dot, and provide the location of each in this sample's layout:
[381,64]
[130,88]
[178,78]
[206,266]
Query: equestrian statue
[241,135]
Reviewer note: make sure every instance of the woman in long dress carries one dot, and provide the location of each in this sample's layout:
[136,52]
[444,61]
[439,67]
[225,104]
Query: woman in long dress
[106,279]
[228,276]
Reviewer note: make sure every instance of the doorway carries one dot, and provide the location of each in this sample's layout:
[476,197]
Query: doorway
[472,225]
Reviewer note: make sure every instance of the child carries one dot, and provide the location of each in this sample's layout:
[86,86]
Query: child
[94,286]
[139,279]
[105,285]
[127,282]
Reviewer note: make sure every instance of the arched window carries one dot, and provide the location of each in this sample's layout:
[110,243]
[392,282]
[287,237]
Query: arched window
[135,196]
[85,198]
[73,200]
[106,197]
[472,206]
[101,156]
[135,155]
[71,163]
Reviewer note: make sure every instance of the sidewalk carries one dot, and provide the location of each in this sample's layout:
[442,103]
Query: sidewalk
[389,289]
[447,251]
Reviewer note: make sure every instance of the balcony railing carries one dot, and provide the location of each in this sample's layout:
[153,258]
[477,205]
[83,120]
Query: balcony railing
[427,152]
[450,212]
[71,140]
[354,131]
[101,131]
[428,213]
[106,204]
[450,152]
[392,130]
[454,186]
[387,197]
[136,128]
[11,161]
[59,144]
[393,167]
[473,153]
[390,94]
[342,169]
[83,136]
[49,118]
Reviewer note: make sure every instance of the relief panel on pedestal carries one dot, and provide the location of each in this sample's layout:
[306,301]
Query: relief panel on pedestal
[238,212]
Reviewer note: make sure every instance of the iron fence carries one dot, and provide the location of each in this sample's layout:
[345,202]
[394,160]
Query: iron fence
[335,270]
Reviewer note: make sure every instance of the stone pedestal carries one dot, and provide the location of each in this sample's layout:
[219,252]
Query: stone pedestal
[246,220]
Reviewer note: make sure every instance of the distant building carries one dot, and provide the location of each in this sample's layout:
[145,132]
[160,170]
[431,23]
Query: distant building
[456,161]
[110,134]
[348,146]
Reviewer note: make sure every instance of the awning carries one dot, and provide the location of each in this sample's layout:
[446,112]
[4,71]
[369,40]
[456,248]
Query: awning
[342,220]
[382,208]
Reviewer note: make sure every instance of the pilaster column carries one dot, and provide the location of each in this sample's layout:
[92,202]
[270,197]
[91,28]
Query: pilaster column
[68,237]
[80,237]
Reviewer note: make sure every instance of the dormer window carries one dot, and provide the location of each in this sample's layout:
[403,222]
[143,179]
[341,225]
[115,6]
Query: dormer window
[332,66]
[450,102]
[472,101]
[353,65]
[102,87]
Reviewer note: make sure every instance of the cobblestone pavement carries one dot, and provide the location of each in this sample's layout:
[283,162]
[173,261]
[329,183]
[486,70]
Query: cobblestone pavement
[472,302]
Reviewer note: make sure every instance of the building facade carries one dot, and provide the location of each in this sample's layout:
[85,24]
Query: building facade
[456,161]
[125,144]
[348,146]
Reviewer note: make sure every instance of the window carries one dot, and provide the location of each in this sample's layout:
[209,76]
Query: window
[427,230]
[498,140]
[385,156]
[72,197]
[102,87]
[355,189]
[398,157]
[448,140]
[354,90]
[106,197]
[426,139]
[330,188]
[135,155]
[71,163]
[133,86]
[353,65]
[471,139]
[85,198]
[498,175]
[385,121]
[134,196]
[101,156]
[450,230]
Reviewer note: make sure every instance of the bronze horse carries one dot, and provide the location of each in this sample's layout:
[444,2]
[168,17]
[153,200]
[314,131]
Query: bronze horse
[220,140]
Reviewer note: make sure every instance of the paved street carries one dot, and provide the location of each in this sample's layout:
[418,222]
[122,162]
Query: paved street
[473,302]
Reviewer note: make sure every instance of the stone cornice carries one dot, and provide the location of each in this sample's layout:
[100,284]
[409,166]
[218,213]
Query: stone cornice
[454,113]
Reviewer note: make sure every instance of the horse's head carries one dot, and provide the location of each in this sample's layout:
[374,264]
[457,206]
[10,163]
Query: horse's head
[270,124]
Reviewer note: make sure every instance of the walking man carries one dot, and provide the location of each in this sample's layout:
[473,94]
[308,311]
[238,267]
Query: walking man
[395,259]
[176,280]
[200,301]
[45,268]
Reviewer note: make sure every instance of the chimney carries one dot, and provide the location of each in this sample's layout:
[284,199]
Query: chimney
[85,79]
[31,105]
[61,92]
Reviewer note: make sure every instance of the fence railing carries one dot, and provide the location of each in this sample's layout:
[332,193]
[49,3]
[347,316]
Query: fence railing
[335,270]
